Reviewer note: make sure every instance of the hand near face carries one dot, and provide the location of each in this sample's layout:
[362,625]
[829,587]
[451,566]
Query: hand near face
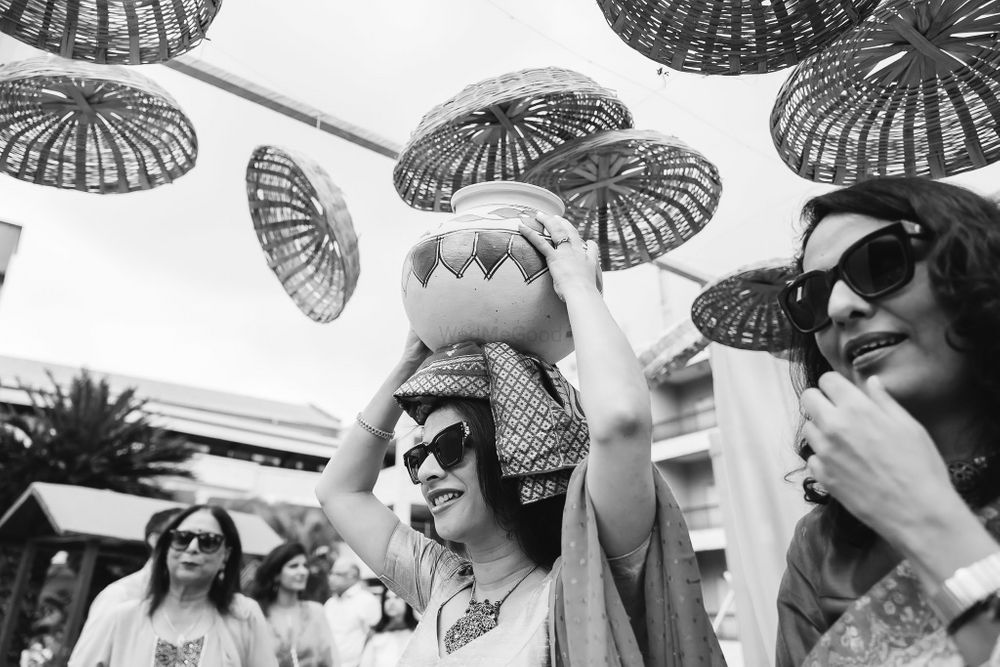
[572,261]
[874,457]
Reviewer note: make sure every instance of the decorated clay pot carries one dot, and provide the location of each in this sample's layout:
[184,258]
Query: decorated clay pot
[477,278]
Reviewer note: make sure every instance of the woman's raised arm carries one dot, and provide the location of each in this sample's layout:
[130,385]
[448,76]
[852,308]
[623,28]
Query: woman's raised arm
[345,488]
[613,391]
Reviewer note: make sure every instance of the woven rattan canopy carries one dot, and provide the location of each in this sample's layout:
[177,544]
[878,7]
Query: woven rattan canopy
[638,193]
[493,129]
[305,230]
[741,310]
[120,32]
[914,90]
[95,128]
[731,36]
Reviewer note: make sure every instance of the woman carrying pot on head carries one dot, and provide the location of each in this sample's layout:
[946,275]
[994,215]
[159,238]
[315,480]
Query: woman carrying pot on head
[193,614]
[898,313]
[301,633]
[566,532]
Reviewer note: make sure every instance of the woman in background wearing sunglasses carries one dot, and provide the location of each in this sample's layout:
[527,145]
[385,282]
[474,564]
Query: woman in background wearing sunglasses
[502,434]
[898,311]
[193,614]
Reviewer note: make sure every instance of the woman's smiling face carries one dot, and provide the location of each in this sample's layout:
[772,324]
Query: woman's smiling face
[901,337]
[294,574]
[454,496]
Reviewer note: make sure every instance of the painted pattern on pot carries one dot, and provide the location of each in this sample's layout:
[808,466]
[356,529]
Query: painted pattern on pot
[487,249]
[477,278]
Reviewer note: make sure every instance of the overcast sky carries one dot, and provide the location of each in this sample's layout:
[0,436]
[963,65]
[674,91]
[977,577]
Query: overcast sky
[170,284]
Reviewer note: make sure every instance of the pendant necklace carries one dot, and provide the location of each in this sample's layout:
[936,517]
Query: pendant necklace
[479,618]
[292,635]
[180,635]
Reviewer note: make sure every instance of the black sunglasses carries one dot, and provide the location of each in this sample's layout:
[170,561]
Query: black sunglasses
[875,265]
[208,543]
[448,447]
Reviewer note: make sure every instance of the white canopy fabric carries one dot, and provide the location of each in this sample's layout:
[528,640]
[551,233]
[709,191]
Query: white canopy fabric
[757,413]
[67,510]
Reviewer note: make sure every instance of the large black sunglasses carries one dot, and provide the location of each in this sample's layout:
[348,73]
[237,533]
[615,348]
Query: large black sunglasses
[448,447]
[875,265]
[208,543]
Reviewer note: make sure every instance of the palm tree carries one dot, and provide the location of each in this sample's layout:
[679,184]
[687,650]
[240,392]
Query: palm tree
[88,436]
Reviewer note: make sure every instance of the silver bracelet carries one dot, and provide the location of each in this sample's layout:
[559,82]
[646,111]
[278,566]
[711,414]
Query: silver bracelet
[377,432]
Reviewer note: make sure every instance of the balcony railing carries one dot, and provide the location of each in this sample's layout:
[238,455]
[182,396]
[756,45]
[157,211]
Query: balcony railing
[699,517]
[686,422]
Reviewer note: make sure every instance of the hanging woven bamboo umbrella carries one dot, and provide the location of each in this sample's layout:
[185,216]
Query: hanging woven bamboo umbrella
[100,129]
[116,32]
[914,90]
[731,36]
[741,310]
[305,230]
[492,129]
[638,193]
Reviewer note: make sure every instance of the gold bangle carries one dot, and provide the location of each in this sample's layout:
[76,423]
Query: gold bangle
[377,432]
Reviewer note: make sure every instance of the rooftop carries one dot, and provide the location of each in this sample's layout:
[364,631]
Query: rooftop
[194,411]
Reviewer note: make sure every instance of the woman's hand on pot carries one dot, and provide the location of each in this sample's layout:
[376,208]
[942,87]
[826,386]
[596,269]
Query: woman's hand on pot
[414,351]
[874,457]
[572,262]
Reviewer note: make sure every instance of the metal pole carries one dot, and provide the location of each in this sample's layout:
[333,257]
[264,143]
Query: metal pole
[252,92]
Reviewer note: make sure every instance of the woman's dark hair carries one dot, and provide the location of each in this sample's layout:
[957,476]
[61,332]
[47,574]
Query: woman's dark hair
[963,264]
[222,590]
[537,527]
[265,579]
[409,619]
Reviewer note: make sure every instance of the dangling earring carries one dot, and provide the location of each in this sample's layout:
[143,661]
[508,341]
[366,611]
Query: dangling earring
[221,574]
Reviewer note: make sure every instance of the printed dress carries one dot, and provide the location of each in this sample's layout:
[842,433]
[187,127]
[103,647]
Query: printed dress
[124,637]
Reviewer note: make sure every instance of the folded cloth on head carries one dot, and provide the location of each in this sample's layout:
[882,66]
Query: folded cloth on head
[541,432]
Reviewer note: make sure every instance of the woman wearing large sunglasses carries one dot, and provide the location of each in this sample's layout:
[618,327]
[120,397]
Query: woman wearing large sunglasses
[571,549]
[193,614]
[898,313]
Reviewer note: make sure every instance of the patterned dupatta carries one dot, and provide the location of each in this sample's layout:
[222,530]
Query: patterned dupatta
[892,624]
[587,620]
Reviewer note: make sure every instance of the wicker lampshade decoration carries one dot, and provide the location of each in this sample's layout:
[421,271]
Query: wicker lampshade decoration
[305,230]
[492,129]
[731,36]
[741,310]
[638,193]
[100,129]
[914,90]
[672,351]
[116,32]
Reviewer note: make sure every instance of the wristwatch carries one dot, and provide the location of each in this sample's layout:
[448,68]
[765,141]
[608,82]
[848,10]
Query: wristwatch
[966,588]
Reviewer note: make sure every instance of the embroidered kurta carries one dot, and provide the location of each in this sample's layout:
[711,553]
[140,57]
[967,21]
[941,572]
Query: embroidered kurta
[655,588]
[124,637]
[310,643]
[887,624]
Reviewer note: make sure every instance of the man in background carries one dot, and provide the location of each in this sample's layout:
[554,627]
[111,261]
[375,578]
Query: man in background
[135,585]
[351,610]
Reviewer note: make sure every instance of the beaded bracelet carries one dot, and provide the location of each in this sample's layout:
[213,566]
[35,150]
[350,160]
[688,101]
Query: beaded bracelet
[377,432]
